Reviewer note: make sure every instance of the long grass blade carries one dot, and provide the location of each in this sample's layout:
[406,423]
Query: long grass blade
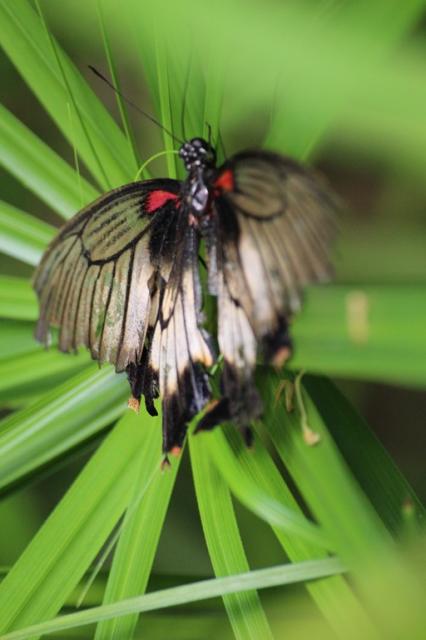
[61,552]
[224,543]
[334,597]
[97,163]
[370,332]
[260,579]
[16,338]
[32,374]
[374,469]
[39,168]
[142,526]
[338,76]
[120,102]
[22,236]
[36,61]
[165,106]
[59,420]
[17,299]
[255,498]
[358,535]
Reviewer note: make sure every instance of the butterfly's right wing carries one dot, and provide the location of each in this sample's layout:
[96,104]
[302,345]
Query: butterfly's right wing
[272,228]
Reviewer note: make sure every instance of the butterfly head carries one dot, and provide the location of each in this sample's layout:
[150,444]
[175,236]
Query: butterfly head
[197,153]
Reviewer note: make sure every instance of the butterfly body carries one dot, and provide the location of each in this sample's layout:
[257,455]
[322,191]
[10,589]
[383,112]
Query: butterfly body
[199,159]
[121,278]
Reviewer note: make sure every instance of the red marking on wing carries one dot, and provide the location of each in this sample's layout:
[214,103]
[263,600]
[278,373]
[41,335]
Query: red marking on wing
[157,199]
[225,181]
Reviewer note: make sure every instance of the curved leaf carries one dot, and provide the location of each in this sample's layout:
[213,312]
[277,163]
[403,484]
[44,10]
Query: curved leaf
[260,579]
[100,142]
[58,421]
[40,169]
[50,567]
[224,543]
[23,236]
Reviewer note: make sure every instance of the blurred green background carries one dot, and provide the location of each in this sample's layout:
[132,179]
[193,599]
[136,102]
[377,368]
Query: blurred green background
[361,121]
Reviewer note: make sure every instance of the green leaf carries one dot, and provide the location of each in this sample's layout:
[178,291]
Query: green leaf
[39,168]
[17,299]
[165,105]
[119,95]
[374,469]
[260,579]
[300,60]
[20,517]
[60,553]
[142,525]
[33,373]
[22,236]
[372,332]
[344,511]
[336,500]
[90,129]
[333,595]
[383,24]
[58,421]
[16,338]
[255,498]
[224,543]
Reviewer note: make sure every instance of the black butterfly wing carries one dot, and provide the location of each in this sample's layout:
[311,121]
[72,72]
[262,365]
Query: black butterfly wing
[272,229]
[121,279]
[177,349]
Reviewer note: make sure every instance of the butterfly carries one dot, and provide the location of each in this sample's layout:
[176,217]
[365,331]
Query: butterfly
[122,278]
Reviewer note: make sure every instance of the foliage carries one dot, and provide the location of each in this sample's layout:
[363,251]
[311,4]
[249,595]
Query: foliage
[331,70]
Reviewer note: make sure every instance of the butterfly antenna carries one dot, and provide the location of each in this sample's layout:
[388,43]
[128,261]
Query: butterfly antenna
[209,129]
[135,106]
[220,144]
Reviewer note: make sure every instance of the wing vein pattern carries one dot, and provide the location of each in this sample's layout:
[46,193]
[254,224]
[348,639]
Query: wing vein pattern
[121,279]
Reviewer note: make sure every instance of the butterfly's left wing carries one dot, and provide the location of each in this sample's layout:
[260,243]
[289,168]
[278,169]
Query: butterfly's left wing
[121,278]
[271,232]
[93,281]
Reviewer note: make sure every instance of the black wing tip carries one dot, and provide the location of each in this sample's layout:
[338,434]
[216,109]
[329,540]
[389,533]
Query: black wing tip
[217,412]
[240,403]
[276,344]
[182,405]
